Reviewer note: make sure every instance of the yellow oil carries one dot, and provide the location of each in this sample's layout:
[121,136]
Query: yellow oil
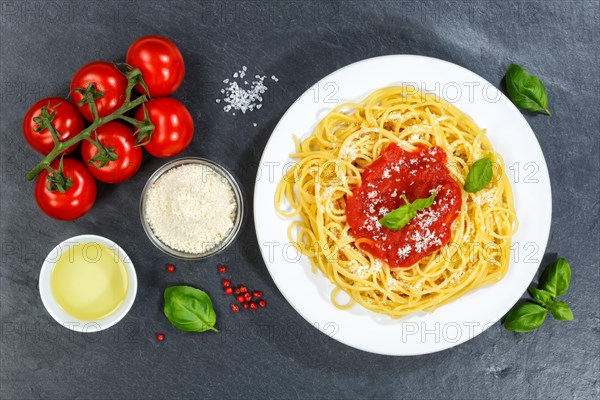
[89,281]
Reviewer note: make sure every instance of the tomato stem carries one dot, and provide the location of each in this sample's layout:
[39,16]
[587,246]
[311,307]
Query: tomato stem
[55,135]
[89,98]
[84,134]
[134,76]
[104,155]
[57,180]
[44,121]
[132,121]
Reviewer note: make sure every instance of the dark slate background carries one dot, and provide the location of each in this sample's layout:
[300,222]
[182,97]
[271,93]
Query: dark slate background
[275,353]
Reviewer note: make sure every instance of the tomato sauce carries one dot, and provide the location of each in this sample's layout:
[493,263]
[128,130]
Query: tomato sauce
[417,175]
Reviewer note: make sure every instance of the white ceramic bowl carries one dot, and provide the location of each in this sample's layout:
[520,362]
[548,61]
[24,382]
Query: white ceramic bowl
[58,313]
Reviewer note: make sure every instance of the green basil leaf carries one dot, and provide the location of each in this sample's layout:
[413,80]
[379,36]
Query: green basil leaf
[398,218]
[189,309]
[479,175]
[525,318]
[556,277]
[542,297]
[525,90]
[561,311]
[421,204]
[401,216]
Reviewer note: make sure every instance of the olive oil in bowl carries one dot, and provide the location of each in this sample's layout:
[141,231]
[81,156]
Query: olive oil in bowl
[89,281]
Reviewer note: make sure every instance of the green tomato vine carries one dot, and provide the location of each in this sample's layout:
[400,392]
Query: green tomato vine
[90,94]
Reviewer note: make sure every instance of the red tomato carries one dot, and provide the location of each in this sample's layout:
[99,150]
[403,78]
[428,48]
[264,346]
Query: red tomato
[173,126]
[118,139]
[161,64]
[75,201]
[106,77]
[67,121]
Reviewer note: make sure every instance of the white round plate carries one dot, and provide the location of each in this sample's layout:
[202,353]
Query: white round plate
[450,324]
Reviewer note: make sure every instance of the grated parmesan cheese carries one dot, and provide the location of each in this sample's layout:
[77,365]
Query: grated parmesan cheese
[366,270]
[403,252]
[484,196]
[191,208]
[424,242]
[348,153]
[456,277]
[415,137]
[395,284]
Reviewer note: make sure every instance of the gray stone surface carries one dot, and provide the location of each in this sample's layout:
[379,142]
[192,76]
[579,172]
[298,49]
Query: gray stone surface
[275,353]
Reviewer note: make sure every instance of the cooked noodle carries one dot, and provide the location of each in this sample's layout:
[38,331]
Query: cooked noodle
[330,162]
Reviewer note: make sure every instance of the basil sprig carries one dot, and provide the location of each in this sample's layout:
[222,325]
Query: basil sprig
[541,296]
[479,176]
[189,309]
[525,318]
[553,284]
[561,311]
[556,277]
[525,90]
[398,218]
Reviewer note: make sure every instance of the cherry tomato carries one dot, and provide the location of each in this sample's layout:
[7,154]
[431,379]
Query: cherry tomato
[161,64]
[67,121]
[76,200]
[173,126]
[106,77]
[117,139]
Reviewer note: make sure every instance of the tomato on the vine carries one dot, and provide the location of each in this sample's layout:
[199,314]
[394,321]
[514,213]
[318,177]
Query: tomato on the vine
[79,191]
[66,120]
[161,64]
[106,78]
[118,158]
[173,126]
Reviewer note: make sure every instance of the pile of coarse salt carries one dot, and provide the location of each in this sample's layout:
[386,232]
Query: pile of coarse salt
[243,94]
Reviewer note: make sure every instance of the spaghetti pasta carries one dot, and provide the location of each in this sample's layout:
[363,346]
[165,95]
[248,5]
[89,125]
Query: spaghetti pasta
[329,166]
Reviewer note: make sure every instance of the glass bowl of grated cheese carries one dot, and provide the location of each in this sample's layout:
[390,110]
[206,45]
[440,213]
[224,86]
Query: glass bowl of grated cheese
[191,208]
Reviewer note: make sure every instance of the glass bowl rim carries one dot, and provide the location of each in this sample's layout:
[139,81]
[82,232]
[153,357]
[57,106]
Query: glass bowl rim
[237,224]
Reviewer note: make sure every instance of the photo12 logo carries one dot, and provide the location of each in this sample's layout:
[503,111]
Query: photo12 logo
[448,332]
[66,12]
